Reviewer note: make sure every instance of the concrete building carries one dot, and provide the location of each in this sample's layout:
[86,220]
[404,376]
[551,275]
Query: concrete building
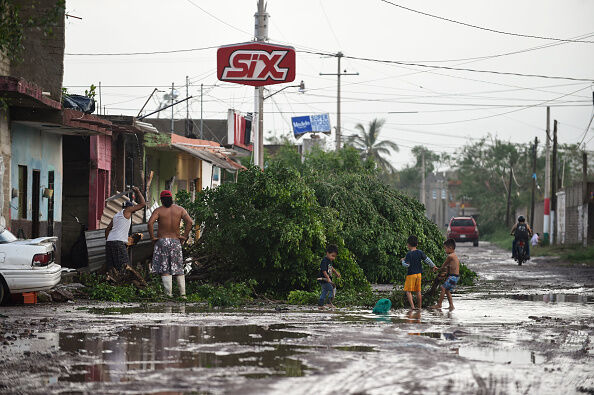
[437,199]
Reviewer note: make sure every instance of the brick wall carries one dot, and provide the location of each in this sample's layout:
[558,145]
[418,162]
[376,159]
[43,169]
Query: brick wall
[43,62]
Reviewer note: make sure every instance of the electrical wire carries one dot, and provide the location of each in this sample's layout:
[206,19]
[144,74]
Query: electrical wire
[485,28]
[141,53]
[218,19]
[452,68]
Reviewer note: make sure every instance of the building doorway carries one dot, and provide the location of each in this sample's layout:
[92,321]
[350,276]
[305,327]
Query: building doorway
[35,195]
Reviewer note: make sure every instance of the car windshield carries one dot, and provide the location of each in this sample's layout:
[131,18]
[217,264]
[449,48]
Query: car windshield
[462,222]
[6,236]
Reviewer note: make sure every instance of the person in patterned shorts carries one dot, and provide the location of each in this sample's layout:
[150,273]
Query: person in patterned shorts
[167,254]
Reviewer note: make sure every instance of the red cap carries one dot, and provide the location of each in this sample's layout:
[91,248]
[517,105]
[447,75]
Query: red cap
[166,193]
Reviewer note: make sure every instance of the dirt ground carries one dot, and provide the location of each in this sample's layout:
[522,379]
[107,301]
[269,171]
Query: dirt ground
[520,330]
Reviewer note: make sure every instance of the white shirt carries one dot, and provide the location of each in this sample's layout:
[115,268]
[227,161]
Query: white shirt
[534,239]
[121,226]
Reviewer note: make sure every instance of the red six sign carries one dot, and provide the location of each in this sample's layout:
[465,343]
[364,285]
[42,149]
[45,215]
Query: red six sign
[256,64]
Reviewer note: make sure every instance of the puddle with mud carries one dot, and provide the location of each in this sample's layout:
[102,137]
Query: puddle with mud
[512,356]
[252,351]
[556,298]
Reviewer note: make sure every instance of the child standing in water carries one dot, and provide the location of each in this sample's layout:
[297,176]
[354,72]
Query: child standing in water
[414,261]
[451,268]
[325,276]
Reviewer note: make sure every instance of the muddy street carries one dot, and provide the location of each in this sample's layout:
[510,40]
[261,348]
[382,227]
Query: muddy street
[521,329]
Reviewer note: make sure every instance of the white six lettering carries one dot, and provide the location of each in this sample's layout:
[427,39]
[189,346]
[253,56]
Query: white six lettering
[255,65]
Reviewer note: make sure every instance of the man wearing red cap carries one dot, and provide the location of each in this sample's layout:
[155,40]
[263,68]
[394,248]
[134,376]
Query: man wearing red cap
[167,255]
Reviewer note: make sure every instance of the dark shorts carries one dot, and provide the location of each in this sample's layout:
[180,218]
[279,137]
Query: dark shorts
[450,283]
[116,255]
[167,257]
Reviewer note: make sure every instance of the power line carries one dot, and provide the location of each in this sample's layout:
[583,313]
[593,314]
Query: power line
[451,68]
[486,28]
[141,53]
[218,19]
[495,115]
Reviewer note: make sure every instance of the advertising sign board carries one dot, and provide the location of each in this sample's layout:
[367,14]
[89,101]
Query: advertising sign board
[319,123]
[256,64]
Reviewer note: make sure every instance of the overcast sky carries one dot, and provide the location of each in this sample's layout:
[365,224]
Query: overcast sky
[448,107]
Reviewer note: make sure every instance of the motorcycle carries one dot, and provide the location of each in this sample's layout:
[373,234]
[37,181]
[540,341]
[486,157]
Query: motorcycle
[521,255]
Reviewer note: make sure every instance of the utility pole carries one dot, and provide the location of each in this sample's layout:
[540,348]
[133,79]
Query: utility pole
[554,183]
[260,34]
[534,153]
[338,74]
[509,189]
[201,119]
[423,196]
[585,199]
[172,88]
[187,108]
[547,193]
[99,98]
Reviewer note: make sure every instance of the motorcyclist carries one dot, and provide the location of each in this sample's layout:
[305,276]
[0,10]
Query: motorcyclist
[521,232]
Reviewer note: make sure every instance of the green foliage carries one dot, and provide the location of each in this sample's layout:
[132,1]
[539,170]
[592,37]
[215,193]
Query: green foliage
[268,227]
[368,144]
[15,22]
[303,297]
[230,294]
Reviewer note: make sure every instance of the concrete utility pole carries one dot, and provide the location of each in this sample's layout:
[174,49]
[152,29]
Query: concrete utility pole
[261,34]
[585,199]
[534,153]
[172,88]
[509,190]
[547,192]
[423,196]
[554,184]
[339,56]
[201,119]
[187,108]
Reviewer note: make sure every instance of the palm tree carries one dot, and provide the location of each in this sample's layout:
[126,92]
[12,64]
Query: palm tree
[366,141]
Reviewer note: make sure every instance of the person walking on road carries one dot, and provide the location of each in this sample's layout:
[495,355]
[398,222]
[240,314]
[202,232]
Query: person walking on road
[116,233]
[167,254]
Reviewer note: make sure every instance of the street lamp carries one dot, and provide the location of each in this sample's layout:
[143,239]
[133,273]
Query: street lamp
[259,152]
[301,87]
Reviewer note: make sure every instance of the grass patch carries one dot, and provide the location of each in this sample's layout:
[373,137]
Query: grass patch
[501,238]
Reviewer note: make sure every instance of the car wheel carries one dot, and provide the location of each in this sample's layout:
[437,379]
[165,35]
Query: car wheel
[475,243]
[3,290]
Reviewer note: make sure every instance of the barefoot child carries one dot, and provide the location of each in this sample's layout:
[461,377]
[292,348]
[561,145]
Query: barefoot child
[413,260]
[325,277]
[451,269]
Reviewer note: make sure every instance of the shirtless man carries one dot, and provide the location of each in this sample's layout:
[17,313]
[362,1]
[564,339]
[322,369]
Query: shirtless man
[167,254]
[451,270]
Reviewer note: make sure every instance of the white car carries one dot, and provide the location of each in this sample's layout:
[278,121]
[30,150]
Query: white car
[27,265]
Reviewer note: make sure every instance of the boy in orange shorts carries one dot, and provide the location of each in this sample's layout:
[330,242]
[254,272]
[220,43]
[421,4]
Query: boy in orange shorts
[414,262]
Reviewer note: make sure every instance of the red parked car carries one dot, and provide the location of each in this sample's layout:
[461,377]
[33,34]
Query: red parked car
[464,229]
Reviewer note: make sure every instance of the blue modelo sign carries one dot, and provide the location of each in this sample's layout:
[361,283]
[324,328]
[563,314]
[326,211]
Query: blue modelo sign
[311,124]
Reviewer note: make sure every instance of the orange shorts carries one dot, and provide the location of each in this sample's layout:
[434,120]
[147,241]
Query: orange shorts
[413,283]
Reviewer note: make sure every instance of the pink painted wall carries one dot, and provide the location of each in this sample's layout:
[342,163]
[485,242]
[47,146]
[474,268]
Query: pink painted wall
[99,176]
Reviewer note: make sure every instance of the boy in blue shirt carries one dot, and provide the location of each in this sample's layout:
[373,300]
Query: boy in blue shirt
[325,277]
[413,261]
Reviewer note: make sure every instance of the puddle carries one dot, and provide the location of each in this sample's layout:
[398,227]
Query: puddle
[556,298]
[436,335]
[252,351]
[503,356]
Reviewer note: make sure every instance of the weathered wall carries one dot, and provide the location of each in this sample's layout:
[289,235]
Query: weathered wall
[5,157]
[43,57]
[40,151]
